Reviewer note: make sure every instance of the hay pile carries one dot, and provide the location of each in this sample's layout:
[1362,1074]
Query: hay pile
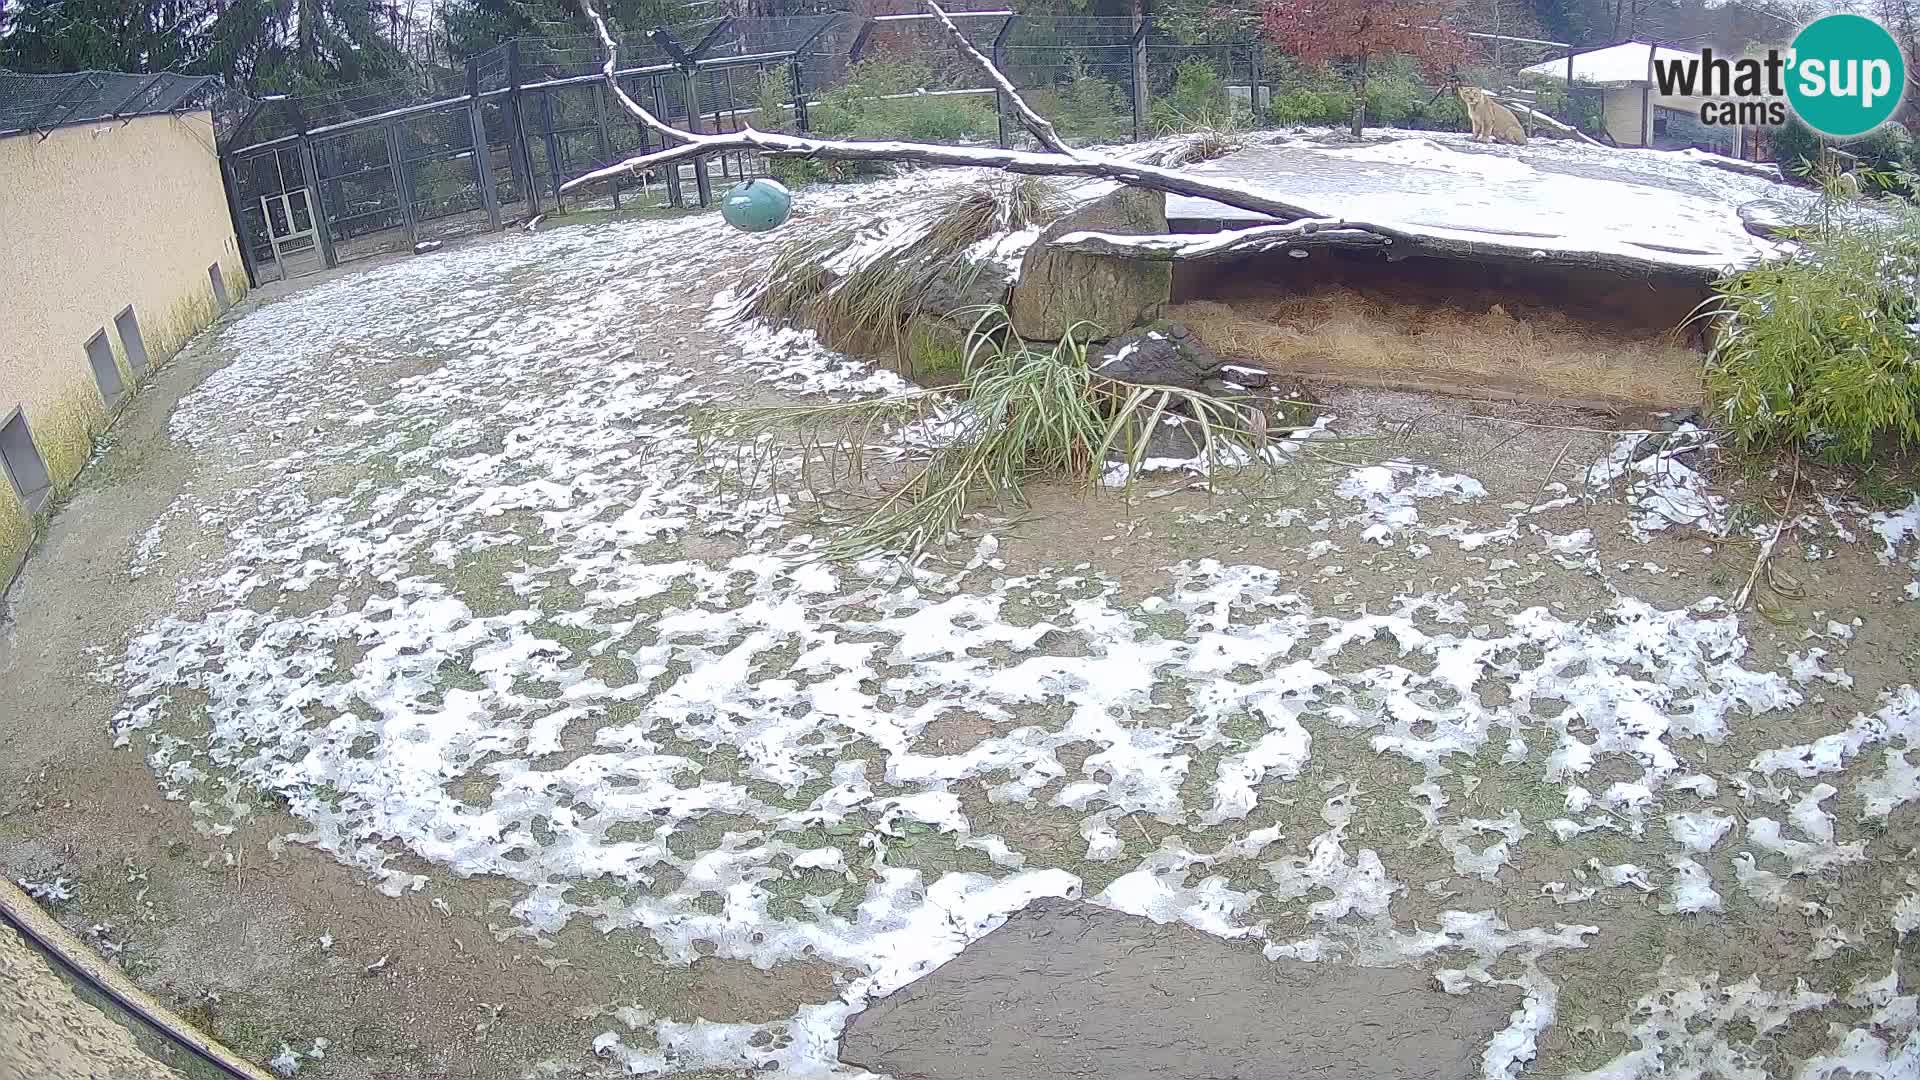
[1368,339]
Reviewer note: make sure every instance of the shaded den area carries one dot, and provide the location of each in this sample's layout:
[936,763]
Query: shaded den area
[1489,329]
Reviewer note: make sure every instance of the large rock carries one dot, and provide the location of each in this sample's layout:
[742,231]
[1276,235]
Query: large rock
[965,287]
[1771,218]
[1068,990]
[1058,289]
[1160,354]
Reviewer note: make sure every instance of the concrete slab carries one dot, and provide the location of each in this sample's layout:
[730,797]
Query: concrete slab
[1066,989]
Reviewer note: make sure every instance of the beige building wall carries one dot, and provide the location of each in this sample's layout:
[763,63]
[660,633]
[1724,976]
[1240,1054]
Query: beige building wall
[1624,112]
[95,217]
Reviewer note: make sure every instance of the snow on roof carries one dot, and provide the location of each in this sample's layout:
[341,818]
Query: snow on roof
[1616,65]
[1547,198]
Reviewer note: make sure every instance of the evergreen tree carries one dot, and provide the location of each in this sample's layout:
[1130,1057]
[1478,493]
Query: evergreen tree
[42,36]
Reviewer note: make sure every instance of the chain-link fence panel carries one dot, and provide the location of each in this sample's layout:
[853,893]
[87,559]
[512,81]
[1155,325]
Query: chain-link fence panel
[44,102]
[399,159]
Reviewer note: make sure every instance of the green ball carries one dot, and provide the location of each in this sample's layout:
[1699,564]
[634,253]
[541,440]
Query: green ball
[757,205]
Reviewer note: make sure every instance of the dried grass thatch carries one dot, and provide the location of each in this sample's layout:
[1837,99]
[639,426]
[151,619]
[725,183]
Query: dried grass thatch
[1345,333]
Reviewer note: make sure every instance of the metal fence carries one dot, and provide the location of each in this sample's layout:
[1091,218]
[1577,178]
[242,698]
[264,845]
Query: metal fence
[325,178]
[41,103]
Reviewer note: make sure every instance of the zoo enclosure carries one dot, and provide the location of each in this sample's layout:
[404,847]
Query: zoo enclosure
[325,178]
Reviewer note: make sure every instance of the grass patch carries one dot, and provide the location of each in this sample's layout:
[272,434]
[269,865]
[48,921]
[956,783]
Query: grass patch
[1029,415]
[859,292]
[895,97]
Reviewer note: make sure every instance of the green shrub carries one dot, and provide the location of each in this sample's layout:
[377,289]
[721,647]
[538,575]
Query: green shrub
[770,102]
[862,107]
[1886,158]
[1296,108]
[1198,100]
[1443,113]
[1886,147]
[798,171]
[1086,109]
[1819,349]
[1396,97]
[1551,96]
[1392,97]
[1796,147]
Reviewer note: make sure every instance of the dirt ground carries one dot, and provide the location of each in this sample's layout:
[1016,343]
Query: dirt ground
[406,675]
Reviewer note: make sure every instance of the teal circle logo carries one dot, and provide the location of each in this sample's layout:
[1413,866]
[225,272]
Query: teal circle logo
[1846,75]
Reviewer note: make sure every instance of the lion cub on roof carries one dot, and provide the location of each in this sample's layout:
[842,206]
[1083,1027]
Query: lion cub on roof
[1491,120]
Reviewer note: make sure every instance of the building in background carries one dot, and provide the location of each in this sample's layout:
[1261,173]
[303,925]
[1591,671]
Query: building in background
[116,246]
[1633,111]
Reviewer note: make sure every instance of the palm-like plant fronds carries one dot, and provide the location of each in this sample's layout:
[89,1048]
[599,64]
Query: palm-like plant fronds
[1019,415]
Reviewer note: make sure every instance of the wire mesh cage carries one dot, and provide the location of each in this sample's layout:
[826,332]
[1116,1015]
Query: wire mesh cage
[44,102]
[400,159]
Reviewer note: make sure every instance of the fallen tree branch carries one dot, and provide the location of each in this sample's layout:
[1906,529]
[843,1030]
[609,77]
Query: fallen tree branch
[1025,162]
[1295,225]
[607,72]
[1336,232]
[1765,170]
[1041,127]
[1183,247]
[1131,173]
[1528,112]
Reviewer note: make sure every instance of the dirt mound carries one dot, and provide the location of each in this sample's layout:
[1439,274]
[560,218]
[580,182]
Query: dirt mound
[1068,989]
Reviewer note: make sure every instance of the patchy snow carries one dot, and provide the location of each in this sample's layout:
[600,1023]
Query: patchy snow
[487,610]
[1663,489]
[1388,504]
[1006,248]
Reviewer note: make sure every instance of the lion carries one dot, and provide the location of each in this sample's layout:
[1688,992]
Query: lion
[1492,121]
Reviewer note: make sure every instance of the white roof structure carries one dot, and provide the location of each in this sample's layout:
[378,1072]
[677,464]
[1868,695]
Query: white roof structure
[1627,64]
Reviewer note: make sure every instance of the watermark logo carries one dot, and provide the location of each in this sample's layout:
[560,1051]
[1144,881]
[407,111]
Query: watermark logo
[1844,76]
[1847,75]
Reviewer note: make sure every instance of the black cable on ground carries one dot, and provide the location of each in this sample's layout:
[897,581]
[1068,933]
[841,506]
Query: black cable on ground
[19,911]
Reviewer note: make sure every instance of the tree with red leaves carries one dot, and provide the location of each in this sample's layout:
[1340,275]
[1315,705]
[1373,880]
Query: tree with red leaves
[1319,32]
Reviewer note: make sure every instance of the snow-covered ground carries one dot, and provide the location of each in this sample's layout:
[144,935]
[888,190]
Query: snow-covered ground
[1550,195]
[470,597]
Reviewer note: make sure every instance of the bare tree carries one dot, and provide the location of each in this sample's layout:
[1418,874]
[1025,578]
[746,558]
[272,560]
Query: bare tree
[1056,160]
[1305,225]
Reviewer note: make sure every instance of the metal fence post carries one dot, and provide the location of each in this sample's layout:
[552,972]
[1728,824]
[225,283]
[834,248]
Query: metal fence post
[310,175]
[800,117]
[482,150]
[1140,79]
[1001,105]
[701,185]
[600,129]
[402,187]
[688,63]
[239,227]
[675,197]
[800,121]
[1253,92]
[554,171]
[519,155]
